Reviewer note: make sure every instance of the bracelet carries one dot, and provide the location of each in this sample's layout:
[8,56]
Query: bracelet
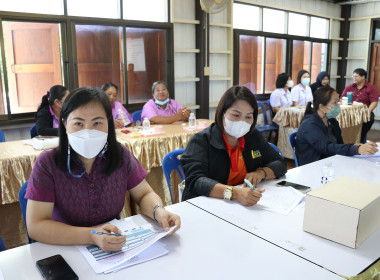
[265,173]
[154,211]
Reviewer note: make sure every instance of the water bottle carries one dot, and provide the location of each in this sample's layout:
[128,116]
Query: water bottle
[123,116]
[146,124]
[327,173]
[192,121]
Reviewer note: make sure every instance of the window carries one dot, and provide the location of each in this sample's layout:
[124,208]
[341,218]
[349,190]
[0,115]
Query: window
[54,7]
[93,8]
[33,59]
[148,10]
[246,17]
[319,28]
[298,25]
[301,58]
[263,56]
[250,62]
[273,21]
[88,45]
[100,56]
[146,62]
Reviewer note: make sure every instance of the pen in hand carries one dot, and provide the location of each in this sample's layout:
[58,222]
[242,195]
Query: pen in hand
[249,184]
[105,233]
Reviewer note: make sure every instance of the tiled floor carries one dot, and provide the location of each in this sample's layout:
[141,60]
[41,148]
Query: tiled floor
[12,228]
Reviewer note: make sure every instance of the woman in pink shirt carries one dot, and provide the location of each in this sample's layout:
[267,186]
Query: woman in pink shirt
[120,115]
[81,185]
[161,109]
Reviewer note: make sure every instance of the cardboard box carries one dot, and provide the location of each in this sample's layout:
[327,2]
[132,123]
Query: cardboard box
[345,210]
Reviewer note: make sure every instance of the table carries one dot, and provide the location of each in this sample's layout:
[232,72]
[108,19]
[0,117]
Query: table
[17,159]
[286,231]
[204,248]
[350,119]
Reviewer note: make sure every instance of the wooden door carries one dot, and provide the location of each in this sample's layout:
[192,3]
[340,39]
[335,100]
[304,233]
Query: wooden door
[301,56]
[374,73]
[316,62]
[250,62]
[99,56]
[274,62]
[33,57]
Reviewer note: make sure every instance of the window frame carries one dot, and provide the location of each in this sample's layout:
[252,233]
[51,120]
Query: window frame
[69,56]
[289,43]
[288,57]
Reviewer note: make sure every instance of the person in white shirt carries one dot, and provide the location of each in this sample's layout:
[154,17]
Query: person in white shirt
[281,97]
[301,94]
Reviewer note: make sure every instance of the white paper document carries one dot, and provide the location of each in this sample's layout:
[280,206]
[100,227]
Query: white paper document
[156,250]
[139,238]
[280,200]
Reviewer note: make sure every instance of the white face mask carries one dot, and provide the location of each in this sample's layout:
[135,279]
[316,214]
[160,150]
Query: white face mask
[305,81]
[87,142]
[236,129]
[289,83]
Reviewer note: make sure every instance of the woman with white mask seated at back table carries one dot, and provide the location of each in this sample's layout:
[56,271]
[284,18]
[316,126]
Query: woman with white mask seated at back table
[281,97]
[229,151]
[301,93]
[81,185]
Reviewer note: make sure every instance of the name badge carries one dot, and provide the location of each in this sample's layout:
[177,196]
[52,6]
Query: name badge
[255,154]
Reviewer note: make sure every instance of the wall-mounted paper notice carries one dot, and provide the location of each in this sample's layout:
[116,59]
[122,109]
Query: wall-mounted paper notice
[136,53]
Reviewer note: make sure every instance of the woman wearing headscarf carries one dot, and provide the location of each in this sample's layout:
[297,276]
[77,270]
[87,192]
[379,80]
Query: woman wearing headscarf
[323,79]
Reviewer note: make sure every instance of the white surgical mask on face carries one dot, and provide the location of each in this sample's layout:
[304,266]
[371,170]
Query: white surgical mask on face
[289,84]
[306,81]
[236,129]
[87,142]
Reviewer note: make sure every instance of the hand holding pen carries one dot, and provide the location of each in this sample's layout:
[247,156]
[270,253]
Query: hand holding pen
[108,237]
[248,196]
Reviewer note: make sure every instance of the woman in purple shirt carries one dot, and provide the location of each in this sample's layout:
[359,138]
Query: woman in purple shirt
[161,109]
[120,115]
[81,185]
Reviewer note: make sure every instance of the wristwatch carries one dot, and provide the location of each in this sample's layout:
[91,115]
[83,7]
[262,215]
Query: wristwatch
[228,193]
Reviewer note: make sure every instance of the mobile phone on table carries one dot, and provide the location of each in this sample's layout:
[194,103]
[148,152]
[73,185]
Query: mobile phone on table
[301,188]
[126,131]
[56,268]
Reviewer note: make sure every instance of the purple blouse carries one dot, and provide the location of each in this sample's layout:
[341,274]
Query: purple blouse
[55,120]
[87,201]
[115,111]
[151,109]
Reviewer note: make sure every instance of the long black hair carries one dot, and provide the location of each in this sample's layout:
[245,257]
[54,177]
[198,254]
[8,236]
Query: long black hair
[321,96]
[55,92]
[79,98]
[232,95]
